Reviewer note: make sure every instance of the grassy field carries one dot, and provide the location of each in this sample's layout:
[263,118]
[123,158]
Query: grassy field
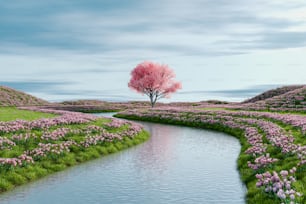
[12,113]
[31,150]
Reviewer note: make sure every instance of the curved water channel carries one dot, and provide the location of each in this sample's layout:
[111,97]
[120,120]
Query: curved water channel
[176,165]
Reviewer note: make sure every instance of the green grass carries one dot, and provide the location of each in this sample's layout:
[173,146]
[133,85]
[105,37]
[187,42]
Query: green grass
[12,113]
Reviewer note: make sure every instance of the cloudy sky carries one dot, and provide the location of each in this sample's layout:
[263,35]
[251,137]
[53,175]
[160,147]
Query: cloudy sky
[61,50]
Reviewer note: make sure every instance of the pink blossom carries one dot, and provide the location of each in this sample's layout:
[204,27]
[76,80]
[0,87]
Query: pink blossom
[154,80]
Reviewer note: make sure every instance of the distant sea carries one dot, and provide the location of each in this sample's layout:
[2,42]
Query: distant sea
[56,92]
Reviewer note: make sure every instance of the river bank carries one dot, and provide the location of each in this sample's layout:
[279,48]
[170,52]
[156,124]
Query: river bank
[272,146]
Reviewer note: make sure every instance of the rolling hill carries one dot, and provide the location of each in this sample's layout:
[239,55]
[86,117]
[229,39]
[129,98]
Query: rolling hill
[12,97]
[272,93]
[288,98]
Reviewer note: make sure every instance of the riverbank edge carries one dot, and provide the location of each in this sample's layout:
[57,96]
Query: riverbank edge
[250,195]
[21,176]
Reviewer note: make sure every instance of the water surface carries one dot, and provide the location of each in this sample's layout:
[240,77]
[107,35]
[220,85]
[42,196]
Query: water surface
[176,165]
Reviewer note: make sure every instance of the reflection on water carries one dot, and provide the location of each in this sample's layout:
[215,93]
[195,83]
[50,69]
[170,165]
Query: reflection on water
[177,165]
[159,152]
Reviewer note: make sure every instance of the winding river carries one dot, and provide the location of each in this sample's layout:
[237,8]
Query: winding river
[176,165]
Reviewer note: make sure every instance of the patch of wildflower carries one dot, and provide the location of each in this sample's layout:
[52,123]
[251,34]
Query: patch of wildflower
[262,162]
[279,185]
[44,150]
[9,163]
[56,134]
[6,143]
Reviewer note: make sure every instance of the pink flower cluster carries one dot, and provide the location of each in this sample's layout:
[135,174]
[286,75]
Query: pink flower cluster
[274,133]
[133,130]
[12,126]
[261,162]
[255,140]
[56,134]
[99,139]
[23,137]
[92,140]
[19,161]
[279,184]
[301,153]
[44,150]
[93,129]
[103,136]
[116,123]
[6,143]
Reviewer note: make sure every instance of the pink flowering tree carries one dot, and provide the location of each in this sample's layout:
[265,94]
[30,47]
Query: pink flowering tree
[154,80]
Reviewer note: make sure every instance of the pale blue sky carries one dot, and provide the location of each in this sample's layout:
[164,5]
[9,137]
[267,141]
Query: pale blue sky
[61,50]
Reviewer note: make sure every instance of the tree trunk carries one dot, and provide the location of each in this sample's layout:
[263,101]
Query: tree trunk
[152,100]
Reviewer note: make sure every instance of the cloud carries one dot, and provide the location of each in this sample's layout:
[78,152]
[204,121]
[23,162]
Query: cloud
[281,40]
[203,28]
[93,45]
